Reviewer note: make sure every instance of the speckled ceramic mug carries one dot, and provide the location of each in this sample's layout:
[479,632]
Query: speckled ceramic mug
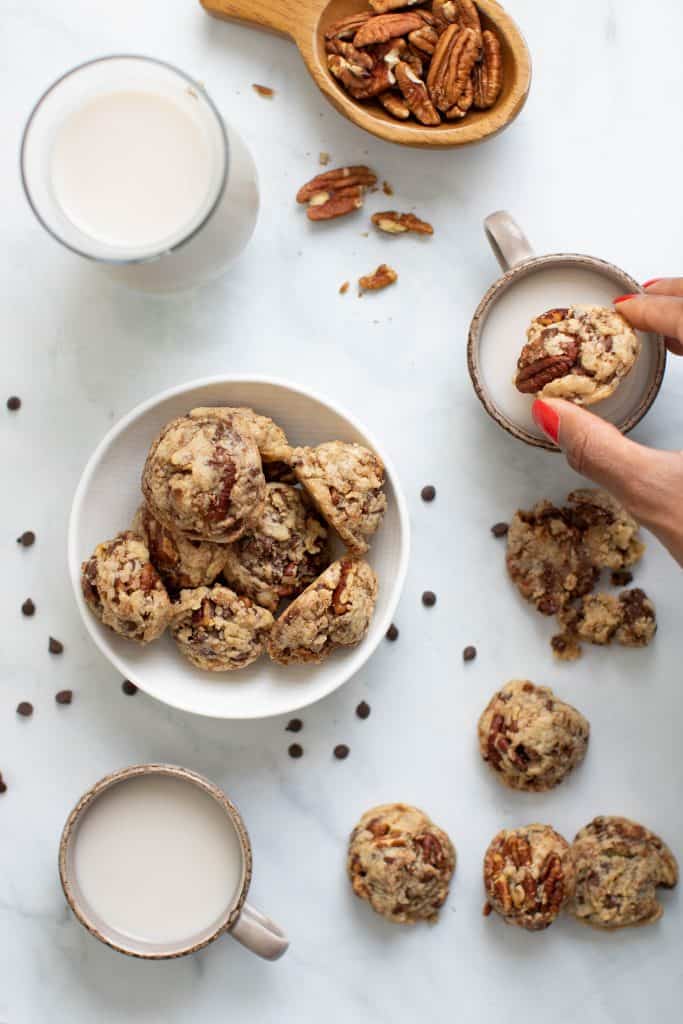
[529,285]
[114,814]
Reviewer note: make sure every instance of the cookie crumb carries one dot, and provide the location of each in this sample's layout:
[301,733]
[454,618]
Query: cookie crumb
[25,709]
[392,633]
[28,607]
[13,403]
[470,653]
[55,646]
[341,751]
[263,90]
[130,689]
[429,599]
[387,188]
[27,538]
[499,529]
[323,158]
[295,750]
[343,288]
[363,710]
[294,725]
[64,696]
[428,493]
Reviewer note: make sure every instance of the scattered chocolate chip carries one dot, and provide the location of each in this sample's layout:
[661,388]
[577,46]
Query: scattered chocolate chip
[392,633]
[295,750]
[130,689]
[363,710]
[294,725]
[429,599]
[499,529]
[621,578]
[25,709]
[64,696]
[428,493]
[3,785]
[27,538]
[469,654]
[55,646]
[13,403]
[28,607]
[341,751]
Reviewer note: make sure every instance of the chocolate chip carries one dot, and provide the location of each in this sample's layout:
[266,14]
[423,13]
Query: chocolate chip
[294,725]
[55,646]
[469,654]
[499,529]
[429,599]
[64,696]
[392,633]
[130,689]
[3,785]
[27,538]
[295,750]
[28,607]
[341,751]
[428,493]
[363,710]
[25,709]
[13,403]
[621,578]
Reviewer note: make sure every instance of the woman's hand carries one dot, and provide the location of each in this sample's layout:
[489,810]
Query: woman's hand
[647,482]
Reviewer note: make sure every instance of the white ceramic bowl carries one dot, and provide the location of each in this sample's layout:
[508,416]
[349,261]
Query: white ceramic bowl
[109,493]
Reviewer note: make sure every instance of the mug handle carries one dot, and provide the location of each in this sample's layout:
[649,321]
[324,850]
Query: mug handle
[259,934]
[509,243]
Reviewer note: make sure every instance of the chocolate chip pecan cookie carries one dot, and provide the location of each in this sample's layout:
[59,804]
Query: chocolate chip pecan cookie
[346,483]
[270,439]
[180,562]
[580,353]
[203,476]
[123,589]
[530,738]
[600,618]
[219,631]
[334,611]
[619,866]
[528,875]
[401,863]
[282,551]
[609,533]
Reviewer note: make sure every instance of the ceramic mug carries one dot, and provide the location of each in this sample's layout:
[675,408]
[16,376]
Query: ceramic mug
[531,284]
[96,879]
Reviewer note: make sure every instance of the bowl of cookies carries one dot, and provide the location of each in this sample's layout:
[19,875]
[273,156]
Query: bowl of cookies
[237,547]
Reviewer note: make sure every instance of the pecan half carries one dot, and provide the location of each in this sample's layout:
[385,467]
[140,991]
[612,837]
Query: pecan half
[383,6]
[382,277]
[328,205]
[467,16]
[335,193]
[346,28]
[488,73]
[464,104]
[424,39]
[395,105]
[445,13]
[394,223]
[355,57]
[536,375]
[451,66]
[415,94]
[386,26]
[361,83]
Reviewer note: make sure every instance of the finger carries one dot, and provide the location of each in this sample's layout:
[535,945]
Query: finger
[661,314]
[665,286]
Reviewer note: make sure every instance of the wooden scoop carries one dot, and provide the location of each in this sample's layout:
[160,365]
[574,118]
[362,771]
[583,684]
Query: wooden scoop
[305,21]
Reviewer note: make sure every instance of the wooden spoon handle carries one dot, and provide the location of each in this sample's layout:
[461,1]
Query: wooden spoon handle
[282,16]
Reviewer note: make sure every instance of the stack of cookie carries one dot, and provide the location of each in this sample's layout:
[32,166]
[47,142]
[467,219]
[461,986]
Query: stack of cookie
[235,522]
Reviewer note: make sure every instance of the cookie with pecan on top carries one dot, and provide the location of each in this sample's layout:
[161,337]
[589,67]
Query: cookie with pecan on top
[528,875]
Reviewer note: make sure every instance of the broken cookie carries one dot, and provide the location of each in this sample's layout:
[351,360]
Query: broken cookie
[600,618]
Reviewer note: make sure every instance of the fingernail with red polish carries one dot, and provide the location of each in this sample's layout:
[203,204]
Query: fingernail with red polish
[653,281]
[623,298]
[547,419]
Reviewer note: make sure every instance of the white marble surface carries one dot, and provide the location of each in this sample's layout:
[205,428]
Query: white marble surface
[593,164]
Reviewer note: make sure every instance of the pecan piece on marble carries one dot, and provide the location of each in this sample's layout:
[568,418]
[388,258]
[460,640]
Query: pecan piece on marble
[488,73]
[534,376]
[381,278]
[414,92]
[386,26]
[451,66]
[384,6]
[346,28]
[394,223]
[395,105]
[335,193]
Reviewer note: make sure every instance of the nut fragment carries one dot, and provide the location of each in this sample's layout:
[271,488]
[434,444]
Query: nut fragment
[528,875]
[488,73]
[415,94]
[386,26]
[263,90]
[394,223]
[451,66]
[335,193]
[382,277]
[383,6]
[395,105]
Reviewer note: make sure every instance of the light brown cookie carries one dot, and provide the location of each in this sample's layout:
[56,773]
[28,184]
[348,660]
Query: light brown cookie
[282,551]
[531,739]
[219,631]
[334,611]
[618,867]
[528,875]
[123,589]
[580,353]
[181,563]
[270,439]
[203,477]
[401,863]
[346,483]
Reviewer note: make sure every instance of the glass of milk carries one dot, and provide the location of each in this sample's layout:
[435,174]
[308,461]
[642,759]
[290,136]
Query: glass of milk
[126,161]
[155,861]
